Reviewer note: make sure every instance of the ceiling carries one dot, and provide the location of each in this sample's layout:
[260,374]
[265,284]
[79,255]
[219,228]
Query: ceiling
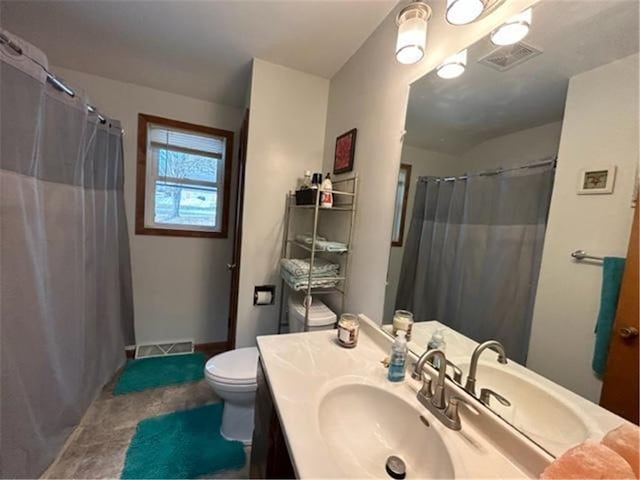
[452,116]
[201,49]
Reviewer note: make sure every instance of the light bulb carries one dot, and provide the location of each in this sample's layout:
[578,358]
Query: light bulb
[513,30]
[412,33]
[462,12]
[453,66]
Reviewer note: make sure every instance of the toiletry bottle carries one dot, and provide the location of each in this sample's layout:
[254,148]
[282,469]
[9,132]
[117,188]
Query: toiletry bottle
[316,180]
[398,358]
[326,198]
[306,183]
[437,342]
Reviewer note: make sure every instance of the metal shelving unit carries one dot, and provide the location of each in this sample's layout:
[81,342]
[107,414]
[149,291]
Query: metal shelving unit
[344,199]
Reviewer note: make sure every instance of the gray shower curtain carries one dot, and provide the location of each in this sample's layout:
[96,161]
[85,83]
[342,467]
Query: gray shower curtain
[66,309]
[473,252]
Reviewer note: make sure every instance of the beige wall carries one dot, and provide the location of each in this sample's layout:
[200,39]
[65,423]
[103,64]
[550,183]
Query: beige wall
[370,93]
[180,285]
[514,149]
[600,128]
[286,137]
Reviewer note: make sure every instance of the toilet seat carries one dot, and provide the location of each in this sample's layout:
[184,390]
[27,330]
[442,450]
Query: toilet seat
[235,367]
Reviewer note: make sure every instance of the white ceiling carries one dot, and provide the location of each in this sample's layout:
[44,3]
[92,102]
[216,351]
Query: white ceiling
[201,49]
[451,116]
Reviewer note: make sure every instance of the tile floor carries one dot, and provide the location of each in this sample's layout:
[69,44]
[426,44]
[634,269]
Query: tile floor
[96,449]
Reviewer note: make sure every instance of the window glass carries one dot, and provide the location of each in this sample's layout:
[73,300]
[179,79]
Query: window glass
[185,174]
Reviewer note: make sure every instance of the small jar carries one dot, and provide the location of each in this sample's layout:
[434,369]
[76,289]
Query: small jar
[348,328]
[403,320]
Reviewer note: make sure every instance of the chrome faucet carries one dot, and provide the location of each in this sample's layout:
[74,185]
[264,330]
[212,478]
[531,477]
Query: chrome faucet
[436,397]
[470,385]
[434,400]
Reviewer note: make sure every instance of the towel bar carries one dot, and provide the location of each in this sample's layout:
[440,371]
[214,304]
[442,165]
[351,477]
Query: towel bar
[582,255]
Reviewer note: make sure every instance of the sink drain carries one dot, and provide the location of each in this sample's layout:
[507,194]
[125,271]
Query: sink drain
[395,467]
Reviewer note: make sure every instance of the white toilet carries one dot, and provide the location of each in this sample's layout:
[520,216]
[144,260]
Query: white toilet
[232,375]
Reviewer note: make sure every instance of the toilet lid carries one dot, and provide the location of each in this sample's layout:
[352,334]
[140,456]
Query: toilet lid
[235,366]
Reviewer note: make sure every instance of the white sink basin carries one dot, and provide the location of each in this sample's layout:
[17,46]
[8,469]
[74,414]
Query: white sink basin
[534,410]
[363,425]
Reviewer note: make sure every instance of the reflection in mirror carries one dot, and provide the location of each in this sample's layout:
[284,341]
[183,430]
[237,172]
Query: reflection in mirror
[400,210]
[526,157]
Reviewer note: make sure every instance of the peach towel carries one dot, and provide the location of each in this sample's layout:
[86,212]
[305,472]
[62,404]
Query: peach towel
[588,461]
[625,441]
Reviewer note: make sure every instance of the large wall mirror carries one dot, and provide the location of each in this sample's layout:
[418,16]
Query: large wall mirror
[528,156]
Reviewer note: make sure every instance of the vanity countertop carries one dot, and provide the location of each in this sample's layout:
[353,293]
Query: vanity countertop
[301,368]
[459,349]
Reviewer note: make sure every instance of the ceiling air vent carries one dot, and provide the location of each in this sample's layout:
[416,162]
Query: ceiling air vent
[507,57]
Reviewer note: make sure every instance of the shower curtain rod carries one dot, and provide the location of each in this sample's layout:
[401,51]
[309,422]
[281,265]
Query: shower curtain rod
[51,78]
[497,171]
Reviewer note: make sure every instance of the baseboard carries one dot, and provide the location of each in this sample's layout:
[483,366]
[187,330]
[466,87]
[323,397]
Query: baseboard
[209,349]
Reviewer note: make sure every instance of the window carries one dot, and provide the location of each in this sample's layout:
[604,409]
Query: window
[402,196]
[184,177]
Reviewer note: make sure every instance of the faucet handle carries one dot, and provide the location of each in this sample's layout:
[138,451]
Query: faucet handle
[426,390]
[487,393]
[452,411]
[457,373]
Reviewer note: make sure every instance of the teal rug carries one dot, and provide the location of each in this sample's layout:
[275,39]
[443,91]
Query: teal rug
[183,444]
[145,373]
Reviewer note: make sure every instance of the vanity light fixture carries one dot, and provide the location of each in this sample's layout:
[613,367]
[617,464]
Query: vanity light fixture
[513,30]
[453,66]
[462,12]
[412,32]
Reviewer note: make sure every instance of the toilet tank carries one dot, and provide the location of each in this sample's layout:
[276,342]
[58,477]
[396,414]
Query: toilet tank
[321,317]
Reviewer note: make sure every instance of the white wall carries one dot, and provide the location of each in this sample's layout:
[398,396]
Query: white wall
[514,149]
[180,285]
[600,128]
[370,93]
[423,162]
[287,117]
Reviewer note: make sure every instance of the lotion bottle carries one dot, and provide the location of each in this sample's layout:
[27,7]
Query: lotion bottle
[326,199]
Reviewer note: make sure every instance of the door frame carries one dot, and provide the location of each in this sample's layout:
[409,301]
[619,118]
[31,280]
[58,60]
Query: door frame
[234,266]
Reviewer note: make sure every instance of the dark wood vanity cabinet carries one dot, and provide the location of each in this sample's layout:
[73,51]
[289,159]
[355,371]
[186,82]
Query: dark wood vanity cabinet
[269,454]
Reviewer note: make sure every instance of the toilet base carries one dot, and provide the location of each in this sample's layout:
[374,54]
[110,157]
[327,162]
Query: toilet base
[237,423]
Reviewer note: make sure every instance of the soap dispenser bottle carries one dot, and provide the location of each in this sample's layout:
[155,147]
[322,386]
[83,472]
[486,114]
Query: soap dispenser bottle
[398,359]
[437,342]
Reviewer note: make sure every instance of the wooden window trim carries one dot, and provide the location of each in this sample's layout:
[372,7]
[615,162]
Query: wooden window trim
[141,177]
[405,200]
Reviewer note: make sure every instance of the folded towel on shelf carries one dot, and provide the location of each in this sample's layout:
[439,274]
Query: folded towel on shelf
[328,246]
[587,461]
[322,244]
[307,239]
[300,267]
[301,282]
[625,440]
[612,269]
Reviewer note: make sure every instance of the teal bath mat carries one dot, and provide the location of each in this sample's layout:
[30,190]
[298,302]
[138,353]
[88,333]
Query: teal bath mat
[145,373]
[183,444]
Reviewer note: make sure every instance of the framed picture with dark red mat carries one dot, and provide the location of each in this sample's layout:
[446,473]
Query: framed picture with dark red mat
[345,151]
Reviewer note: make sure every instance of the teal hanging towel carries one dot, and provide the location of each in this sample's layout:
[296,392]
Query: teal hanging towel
[612,270]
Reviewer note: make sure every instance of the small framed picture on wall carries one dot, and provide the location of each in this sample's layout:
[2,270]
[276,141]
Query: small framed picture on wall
[596,181]
[345,151]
